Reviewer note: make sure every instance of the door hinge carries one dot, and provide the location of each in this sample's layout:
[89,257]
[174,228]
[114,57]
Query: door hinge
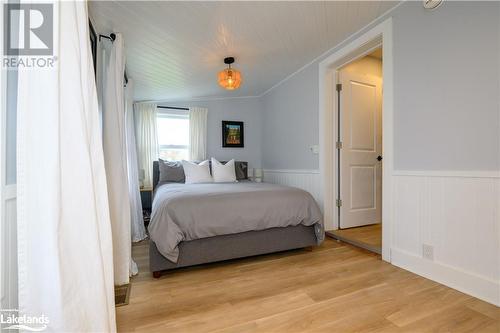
[339,86]
[339,202]
[338,144]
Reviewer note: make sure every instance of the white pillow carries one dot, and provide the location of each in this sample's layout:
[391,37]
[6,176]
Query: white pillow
[223,173]
[197,173]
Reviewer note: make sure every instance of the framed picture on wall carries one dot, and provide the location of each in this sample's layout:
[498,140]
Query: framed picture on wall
[232,134]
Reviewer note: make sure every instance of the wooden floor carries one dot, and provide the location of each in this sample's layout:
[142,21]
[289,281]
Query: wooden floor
[334,288]
[368,237]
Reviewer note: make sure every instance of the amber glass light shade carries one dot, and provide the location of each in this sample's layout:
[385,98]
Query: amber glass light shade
[230,79]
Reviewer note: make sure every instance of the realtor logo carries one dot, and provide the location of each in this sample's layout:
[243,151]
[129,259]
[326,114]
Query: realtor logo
[28,30]
[11,320]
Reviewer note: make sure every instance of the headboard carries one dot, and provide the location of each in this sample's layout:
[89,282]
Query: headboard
[240,166]
[156,174]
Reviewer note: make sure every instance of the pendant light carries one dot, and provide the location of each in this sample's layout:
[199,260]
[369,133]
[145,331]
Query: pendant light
[229,78]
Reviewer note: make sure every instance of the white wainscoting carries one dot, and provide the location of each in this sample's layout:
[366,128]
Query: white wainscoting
[307,180]
[458,215]
[8,298]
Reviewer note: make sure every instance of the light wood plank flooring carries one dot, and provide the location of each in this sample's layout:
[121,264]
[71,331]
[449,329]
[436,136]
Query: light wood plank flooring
[368,237]
[334,288]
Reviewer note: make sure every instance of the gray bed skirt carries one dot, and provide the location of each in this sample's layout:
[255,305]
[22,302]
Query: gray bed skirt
[233,246]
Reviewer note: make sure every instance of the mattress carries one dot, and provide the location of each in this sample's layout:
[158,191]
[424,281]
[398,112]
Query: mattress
[185,212]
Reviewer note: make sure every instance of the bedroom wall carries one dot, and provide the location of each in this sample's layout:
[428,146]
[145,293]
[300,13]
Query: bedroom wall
[247,110]
[446,182]
[445,119]
[290,123]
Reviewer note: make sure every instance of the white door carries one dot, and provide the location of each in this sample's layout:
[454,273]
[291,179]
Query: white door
[361,137]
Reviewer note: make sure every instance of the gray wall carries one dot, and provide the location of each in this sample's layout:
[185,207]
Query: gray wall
[446,87]
[247,110]
[290,123]
[446,78]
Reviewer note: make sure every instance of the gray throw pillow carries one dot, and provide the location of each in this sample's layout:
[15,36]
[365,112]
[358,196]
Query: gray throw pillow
[171,171]
[241,170]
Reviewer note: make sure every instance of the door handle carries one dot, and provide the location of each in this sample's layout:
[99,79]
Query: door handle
[379,158]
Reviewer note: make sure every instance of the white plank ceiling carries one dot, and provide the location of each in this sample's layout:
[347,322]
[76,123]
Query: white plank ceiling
[175,49]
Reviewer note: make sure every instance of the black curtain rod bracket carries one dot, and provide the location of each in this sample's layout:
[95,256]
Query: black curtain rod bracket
[111,37]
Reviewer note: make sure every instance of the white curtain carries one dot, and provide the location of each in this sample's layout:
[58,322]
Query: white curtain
[198,134]
[137,222]
[115,157]
[65,259]
[147,139]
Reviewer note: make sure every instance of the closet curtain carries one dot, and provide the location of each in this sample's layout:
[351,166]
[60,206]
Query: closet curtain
[115,157]
[198,133]
[65,264]
[137,222]
[147,139]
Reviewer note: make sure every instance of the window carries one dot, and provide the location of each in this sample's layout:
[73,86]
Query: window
[173,135]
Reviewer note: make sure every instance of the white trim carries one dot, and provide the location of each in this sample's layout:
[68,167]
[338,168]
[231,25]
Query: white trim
[447,173]
[194,99]
[336,47]
[301,171]
[162,112]
[470,283]
[327,128]
[498,190]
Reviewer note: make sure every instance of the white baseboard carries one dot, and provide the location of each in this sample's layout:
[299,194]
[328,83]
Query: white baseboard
[455,213]
[458,216]
[469,283]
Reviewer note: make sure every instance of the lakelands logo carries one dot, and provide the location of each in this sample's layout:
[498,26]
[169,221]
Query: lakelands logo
[12,320]
[28,35]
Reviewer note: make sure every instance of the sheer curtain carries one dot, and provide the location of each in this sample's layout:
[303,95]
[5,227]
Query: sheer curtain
[147,139]
[64,235]
[198,134]
[115,157]
[137,222]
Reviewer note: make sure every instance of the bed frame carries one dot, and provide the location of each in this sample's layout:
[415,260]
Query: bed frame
[232,246]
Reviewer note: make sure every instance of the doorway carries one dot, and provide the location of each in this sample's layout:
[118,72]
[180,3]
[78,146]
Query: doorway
[363,44]
[359,152]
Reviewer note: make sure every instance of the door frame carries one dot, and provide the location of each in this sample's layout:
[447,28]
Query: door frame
[380,34]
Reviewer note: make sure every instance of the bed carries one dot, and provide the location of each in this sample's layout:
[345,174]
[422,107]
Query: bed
[194,224]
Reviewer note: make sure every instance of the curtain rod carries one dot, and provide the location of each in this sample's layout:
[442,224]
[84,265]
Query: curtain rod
[111,37]
[172,108]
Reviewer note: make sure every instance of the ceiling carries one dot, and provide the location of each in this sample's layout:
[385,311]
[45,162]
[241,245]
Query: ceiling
[175,49]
